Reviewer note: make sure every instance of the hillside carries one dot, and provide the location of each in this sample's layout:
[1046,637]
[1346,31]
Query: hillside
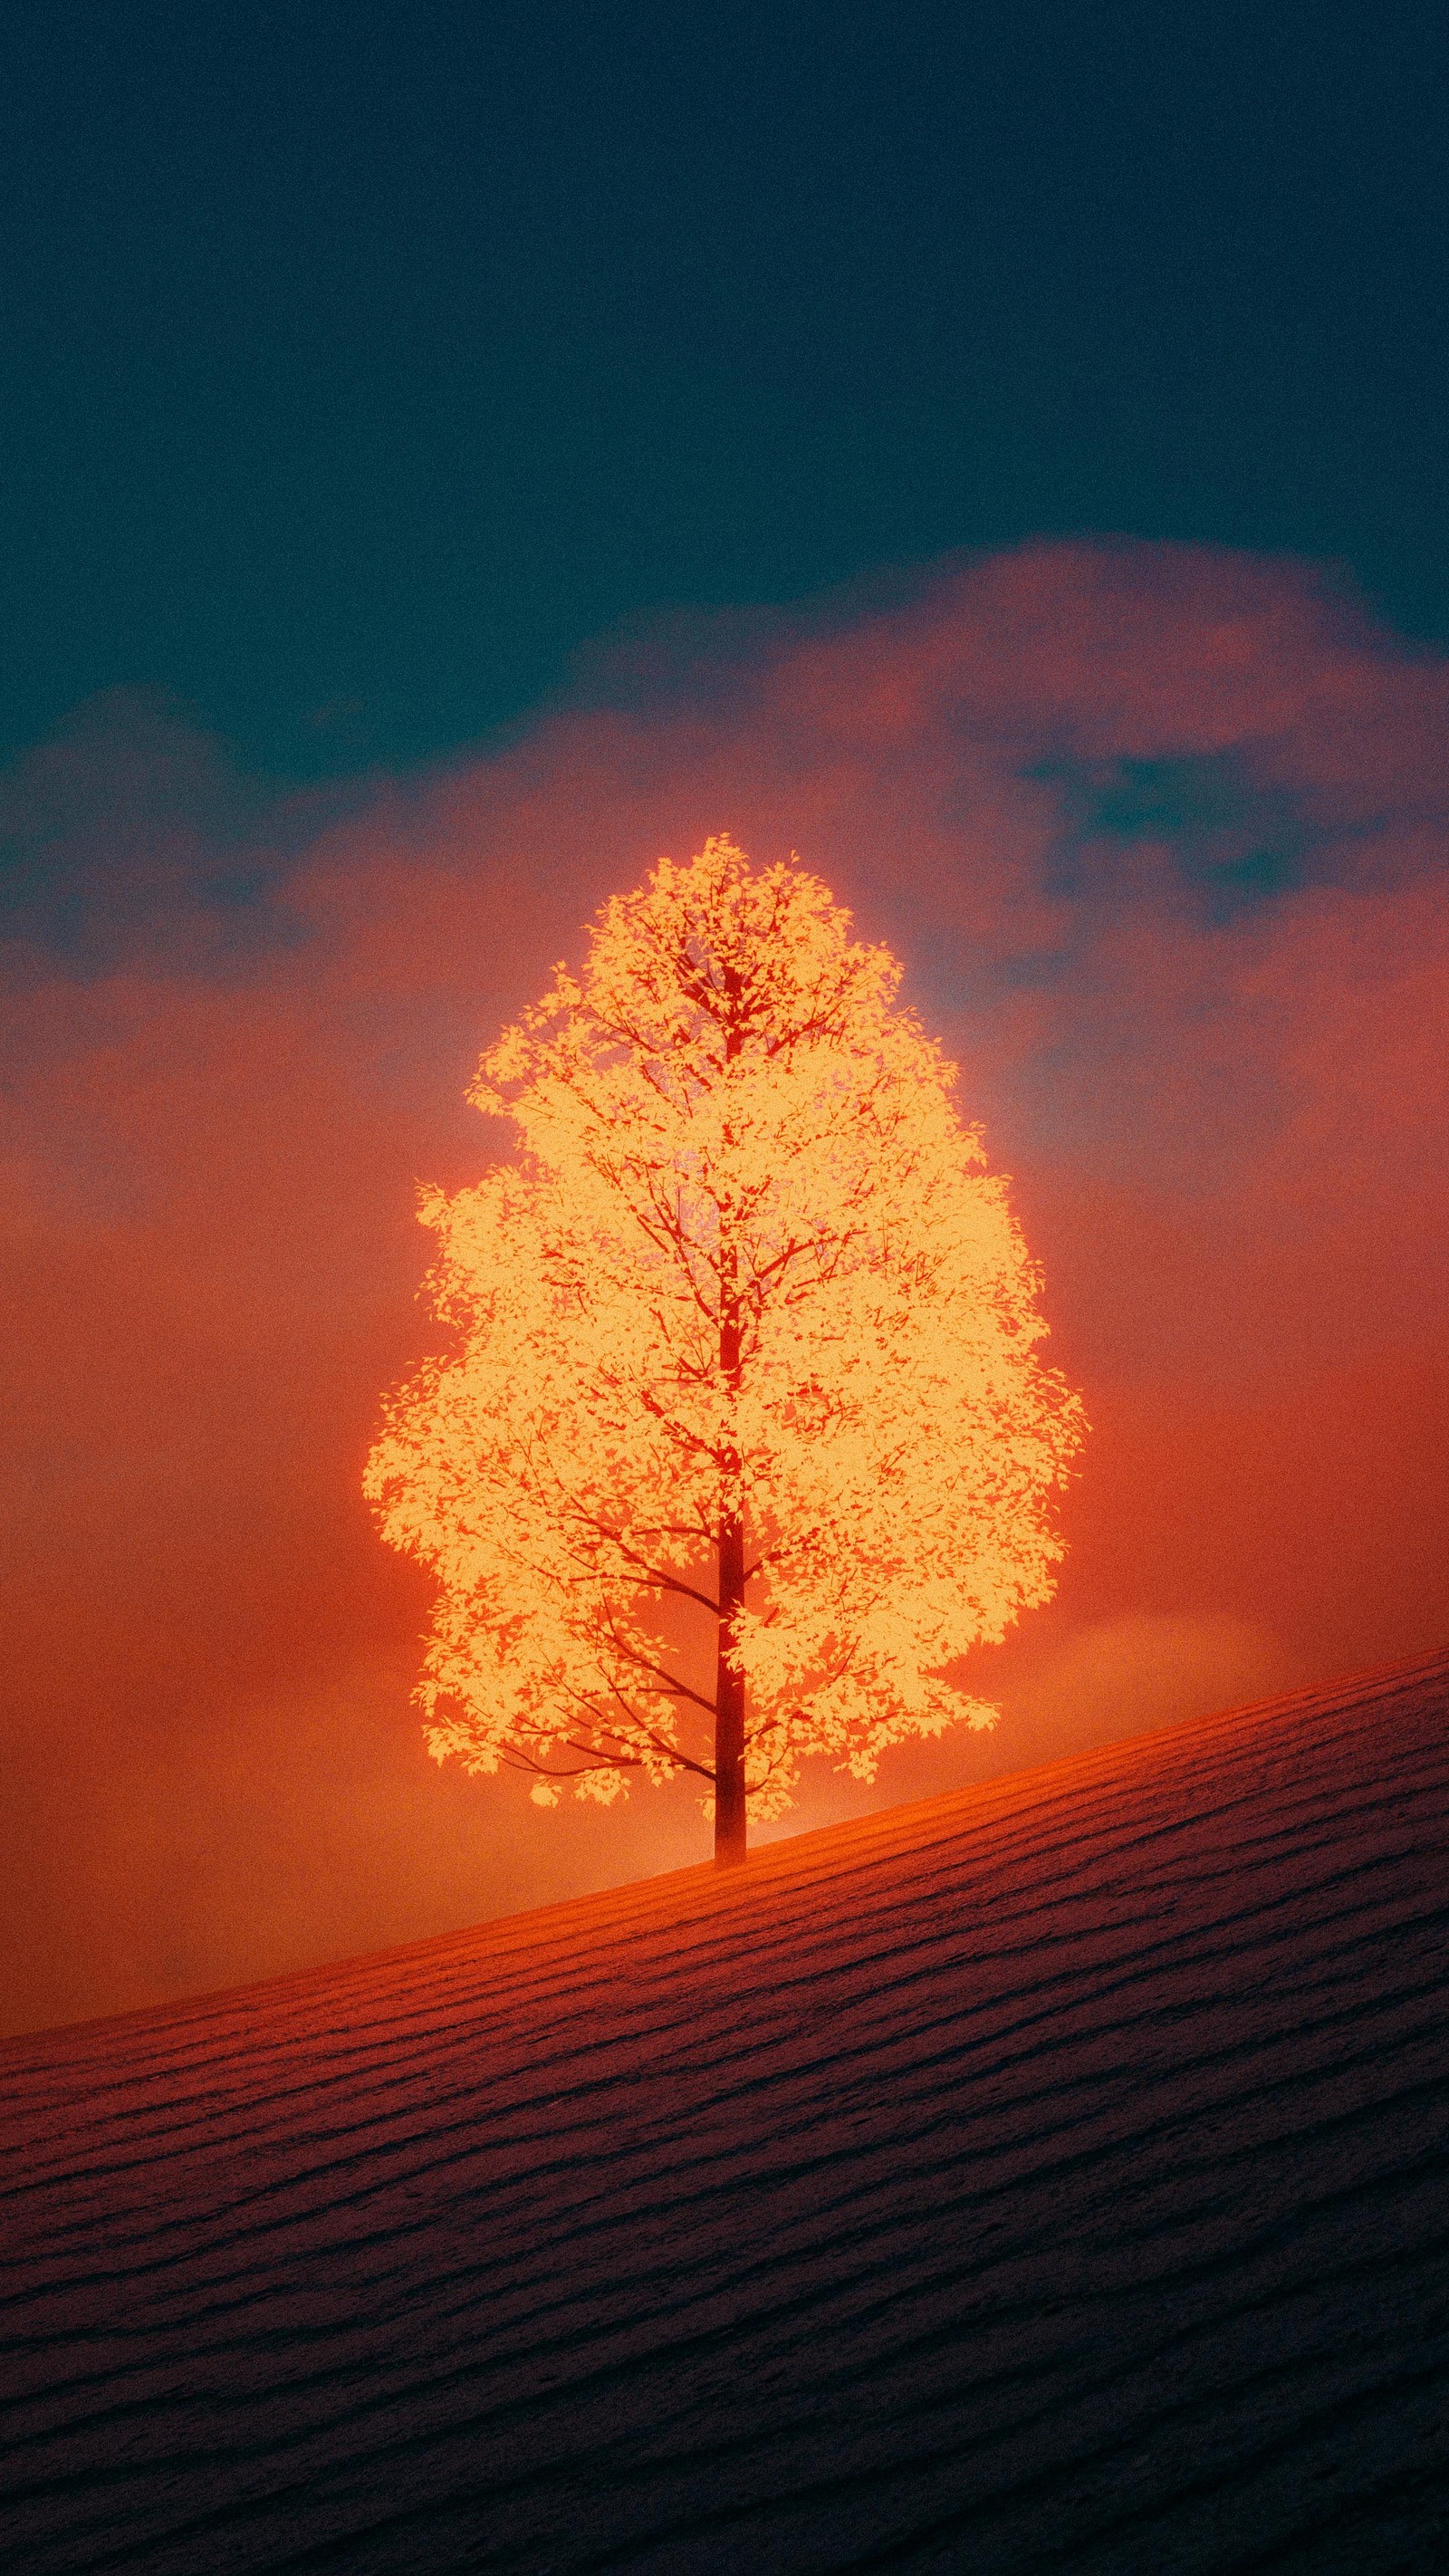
[1051,2176]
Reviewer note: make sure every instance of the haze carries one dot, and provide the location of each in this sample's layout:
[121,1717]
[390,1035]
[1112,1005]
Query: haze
[1158,832]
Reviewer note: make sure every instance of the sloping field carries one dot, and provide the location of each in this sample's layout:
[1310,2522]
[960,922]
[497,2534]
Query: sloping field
[1053,2176]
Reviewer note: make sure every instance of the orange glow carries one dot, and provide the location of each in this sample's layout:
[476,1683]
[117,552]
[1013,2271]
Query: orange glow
[1225,1133]
[750,1335]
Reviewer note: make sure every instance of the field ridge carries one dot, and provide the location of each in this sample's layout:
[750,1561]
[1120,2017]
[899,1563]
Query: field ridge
[1050,2175]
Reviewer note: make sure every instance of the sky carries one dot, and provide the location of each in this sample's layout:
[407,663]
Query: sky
[453,456]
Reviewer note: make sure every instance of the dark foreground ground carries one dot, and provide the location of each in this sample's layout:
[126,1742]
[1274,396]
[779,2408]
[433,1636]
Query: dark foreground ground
[1055,2176]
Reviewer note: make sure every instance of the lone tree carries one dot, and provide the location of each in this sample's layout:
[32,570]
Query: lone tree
[744,1441]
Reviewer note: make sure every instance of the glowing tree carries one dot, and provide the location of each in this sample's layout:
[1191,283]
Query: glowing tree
[744,1440]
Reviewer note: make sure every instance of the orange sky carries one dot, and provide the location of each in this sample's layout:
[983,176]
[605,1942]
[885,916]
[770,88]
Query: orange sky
[1161,838]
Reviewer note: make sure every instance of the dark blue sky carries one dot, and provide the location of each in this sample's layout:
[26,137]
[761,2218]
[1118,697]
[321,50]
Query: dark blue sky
[360,362]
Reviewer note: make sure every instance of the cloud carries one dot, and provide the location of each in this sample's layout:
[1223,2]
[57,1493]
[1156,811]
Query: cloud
[131,833]
[1120,1677]
[1161,837]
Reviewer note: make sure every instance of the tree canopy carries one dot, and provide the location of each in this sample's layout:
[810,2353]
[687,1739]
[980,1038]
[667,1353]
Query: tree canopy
[744,1439]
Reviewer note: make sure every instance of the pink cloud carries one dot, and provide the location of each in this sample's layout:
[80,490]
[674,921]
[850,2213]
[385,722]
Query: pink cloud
[1161,838]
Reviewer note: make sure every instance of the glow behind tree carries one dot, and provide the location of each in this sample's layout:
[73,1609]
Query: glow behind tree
[745,1440]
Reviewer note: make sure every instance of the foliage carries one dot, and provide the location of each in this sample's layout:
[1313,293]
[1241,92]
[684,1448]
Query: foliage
[749,1288]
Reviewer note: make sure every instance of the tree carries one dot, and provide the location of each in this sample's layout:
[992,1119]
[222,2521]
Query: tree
[744,1441]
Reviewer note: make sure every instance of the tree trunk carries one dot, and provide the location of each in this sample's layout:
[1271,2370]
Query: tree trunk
[729,1701]
[729,1687]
